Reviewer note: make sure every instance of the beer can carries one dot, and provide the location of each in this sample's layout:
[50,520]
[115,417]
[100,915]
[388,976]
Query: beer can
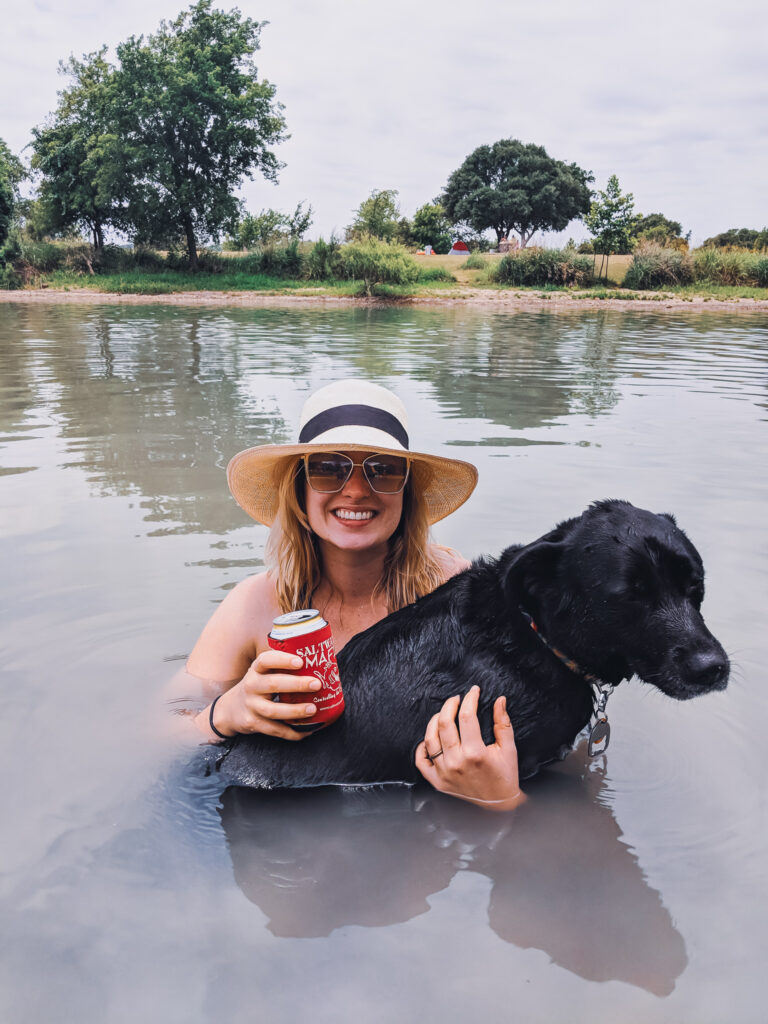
[307,634]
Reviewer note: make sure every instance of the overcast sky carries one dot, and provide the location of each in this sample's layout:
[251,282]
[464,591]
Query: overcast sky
[670,95]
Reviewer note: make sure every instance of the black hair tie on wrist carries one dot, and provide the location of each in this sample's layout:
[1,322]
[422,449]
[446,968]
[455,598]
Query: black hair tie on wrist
[210,720]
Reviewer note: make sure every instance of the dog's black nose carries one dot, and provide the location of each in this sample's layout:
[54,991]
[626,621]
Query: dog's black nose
[707,670]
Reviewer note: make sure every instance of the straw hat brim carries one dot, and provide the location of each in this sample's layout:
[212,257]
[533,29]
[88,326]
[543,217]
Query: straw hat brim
[254,476]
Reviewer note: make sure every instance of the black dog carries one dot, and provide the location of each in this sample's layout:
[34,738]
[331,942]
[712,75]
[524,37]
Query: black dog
[616,590]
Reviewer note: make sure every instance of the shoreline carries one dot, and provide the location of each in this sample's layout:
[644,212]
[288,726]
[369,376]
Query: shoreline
[479,298]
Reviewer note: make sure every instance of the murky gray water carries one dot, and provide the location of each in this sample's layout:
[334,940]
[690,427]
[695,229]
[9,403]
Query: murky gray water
[133,889]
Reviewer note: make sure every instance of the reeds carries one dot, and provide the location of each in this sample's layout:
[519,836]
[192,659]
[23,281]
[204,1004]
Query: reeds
[654,266]
[538,267]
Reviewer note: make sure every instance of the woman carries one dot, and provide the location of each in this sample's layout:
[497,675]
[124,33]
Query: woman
[350,507]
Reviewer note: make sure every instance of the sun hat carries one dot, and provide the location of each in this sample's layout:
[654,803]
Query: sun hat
[348,415]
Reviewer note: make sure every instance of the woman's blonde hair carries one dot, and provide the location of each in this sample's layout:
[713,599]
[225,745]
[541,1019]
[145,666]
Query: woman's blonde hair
[410,568]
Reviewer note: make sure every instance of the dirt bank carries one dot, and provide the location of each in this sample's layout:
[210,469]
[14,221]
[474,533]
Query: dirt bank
[481,298]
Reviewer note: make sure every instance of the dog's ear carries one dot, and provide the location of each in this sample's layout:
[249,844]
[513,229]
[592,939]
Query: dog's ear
[530,573]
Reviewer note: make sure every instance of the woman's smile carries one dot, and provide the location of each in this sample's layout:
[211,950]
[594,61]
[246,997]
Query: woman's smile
[352,515]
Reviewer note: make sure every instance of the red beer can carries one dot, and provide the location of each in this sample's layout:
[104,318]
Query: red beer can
[307,634]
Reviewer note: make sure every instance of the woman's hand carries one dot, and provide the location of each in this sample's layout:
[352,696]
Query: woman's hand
[248,706]
[456,761]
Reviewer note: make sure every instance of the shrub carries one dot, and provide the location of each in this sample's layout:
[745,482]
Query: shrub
[324,260]
[427,274]
[40,256]
[211,263]
[761,271]
[79,257]
[282,260]
[730,267]
[376,262]
[537,266]
[9,277]
[177,259]
[148,259]
[113,259]
[653,266]
[474,262]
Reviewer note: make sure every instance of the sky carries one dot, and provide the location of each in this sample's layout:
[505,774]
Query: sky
[670,95]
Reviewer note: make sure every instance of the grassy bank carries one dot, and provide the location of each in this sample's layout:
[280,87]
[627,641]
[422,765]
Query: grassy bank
[177,282]
[375,269]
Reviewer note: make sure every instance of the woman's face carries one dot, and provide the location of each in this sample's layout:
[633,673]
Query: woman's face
[356,518]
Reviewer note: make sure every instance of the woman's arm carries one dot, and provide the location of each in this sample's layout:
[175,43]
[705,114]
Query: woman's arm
[228,650]
[456,761]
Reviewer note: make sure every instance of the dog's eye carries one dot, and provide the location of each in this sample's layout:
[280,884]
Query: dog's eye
[638,588]
[695,593]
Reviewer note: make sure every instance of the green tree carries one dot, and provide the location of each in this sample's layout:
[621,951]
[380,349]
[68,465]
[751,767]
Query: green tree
[431,226]
[270,227]
[611,219]
[654,221]
[196,121]
[11,174]
[79,155]
[655,227]
[513,186]
[376,217]
[741,238]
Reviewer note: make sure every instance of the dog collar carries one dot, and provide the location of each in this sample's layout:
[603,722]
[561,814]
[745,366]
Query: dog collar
[599,729]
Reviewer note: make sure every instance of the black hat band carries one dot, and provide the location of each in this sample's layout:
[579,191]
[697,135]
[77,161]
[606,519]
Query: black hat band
[354,416]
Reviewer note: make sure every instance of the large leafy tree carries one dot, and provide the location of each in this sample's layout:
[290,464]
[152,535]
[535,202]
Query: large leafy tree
[79,154]
[195,121]
[11,173]
[514,186]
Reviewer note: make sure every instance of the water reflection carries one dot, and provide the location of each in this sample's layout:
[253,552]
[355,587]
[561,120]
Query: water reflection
[153,402]
[563,881]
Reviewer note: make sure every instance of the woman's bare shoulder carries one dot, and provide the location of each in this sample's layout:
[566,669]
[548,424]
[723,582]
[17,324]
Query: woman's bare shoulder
[237,630]
[449,560]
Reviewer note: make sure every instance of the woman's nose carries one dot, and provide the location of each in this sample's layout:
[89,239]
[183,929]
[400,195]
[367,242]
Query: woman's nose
[357,485]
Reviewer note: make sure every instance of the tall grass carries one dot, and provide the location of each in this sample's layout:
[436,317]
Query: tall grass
[324,261]
[474,262]
[537,266]
[653,266]
[435,274]
[731,267]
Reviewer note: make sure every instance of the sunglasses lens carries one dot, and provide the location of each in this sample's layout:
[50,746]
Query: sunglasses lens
[386,473]
[328,472]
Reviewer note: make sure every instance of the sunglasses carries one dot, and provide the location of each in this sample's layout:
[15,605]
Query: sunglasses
[327,472]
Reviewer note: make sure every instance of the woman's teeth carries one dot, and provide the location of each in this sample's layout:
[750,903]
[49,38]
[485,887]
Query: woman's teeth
[342,513]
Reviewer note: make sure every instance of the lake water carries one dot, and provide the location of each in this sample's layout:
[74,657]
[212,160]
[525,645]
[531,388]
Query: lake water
[134,888]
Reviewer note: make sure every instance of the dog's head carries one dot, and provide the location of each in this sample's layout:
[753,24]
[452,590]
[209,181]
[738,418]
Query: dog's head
[619,590]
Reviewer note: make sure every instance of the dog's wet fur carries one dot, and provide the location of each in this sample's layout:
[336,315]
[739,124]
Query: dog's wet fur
[617,589]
